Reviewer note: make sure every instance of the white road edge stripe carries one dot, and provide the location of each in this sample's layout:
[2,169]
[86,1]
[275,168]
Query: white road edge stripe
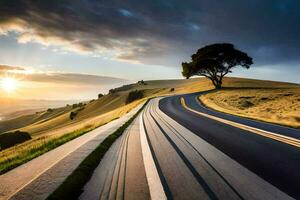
[155,186]
[247,183]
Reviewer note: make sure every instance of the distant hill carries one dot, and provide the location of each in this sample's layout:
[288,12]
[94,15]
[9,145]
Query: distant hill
[57,120]
[12,108]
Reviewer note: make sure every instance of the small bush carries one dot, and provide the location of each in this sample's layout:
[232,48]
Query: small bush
[297,119]
[73,115]
[246,97]
[80,109]
[100,95]
[134,95]
[142,82]
[247,104]
[78,105]
[111,91]
[172,89]
[49,110]
[264,98]
[12,138]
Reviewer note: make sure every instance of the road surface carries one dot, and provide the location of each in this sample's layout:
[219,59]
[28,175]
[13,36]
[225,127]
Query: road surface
[274,161]
[171,152]
[175,149]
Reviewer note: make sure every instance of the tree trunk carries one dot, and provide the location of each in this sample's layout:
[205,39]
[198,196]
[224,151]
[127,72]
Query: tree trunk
[217,83]
[218,86]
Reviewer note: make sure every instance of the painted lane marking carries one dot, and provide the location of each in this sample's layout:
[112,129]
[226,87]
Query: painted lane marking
[155,186]
[249,185]
[274,136]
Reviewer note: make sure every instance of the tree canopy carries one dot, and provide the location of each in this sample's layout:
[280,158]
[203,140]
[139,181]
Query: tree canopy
[215,61]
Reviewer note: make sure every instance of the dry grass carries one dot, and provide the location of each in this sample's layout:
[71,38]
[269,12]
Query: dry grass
[280,106]
[57,122]
[56,126]
[19,154]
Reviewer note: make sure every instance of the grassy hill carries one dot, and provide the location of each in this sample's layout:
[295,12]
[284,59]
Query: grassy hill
[275,105]
[53,127]
[51,121]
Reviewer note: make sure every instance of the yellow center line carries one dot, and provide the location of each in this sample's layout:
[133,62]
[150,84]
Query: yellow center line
[274,136]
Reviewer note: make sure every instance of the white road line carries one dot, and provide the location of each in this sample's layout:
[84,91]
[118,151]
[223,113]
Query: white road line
[247,183]
[154,183]
[275,136]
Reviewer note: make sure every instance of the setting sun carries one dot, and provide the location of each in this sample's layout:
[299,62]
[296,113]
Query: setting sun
[9,84]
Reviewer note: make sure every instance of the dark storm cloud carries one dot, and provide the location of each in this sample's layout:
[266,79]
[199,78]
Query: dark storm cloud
[156,31]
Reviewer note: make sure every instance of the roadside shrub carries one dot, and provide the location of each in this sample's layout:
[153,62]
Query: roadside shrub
[134,95]
[76,105]
[247,97]
[297,119]
[264,98]
[247,104]
[80,104]
[12,138]
[172,89]
[80,109]
[111,91]
[142,82]
[73,115]
[49,110]
[100,95]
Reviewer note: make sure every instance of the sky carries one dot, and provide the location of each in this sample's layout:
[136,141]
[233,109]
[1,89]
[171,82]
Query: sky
[75,49]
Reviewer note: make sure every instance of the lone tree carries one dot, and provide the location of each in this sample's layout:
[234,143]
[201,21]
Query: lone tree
[215,61]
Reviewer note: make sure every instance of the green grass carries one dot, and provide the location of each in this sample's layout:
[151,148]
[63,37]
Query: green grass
[72,187]
[21,153]
[43,147]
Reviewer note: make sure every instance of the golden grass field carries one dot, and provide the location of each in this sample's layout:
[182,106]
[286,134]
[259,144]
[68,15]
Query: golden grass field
[280,106]
[19,154]
[58,122]
[52,128]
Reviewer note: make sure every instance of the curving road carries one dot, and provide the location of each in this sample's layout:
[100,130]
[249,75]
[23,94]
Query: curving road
[174,151]
[276,162]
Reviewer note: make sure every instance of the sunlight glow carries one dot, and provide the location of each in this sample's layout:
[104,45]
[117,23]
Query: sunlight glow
[9,84]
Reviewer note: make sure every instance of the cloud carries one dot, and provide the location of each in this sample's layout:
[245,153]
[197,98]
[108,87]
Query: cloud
[10,68]
[73,78]
[60,78]
[57,85]
[158,32]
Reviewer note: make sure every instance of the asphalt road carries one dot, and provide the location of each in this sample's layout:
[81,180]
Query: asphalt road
[275,162]
[172,153]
